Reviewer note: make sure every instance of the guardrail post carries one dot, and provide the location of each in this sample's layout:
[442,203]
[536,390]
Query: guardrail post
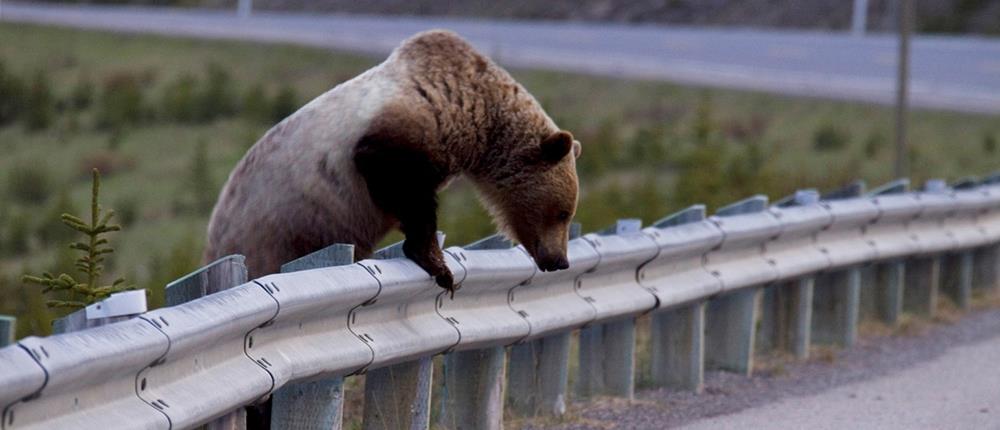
[890,276]
[731,318]
[986,268]
[786,316]
[538,371]
[314,404]
[8,327]
[78,320]
[923,274]
[607,351]
[399,396]
[678,334]
[956,277]
[474,380]
[836,300]
[730,330]
[678,347]
[224,273]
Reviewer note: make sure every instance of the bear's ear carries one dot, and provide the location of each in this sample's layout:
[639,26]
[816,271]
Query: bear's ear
[556,146]
[577,148]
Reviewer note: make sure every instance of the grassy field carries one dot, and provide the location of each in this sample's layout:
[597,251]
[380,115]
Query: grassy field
[649,148]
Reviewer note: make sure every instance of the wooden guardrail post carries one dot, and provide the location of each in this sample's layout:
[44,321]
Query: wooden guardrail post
[607,350]
[8,328]
[314,404]
[538,371]
[678,334]
[474,379]
[399,396]
[222,274]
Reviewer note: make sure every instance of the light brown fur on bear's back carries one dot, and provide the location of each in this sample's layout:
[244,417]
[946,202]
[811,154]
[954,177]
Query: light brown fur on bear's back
[297,189]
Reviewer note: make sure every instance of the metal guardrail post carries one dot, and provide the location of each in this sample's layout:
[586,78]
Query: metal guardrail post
[314,404]
[474,379]
[890,276]
[986,264]
[8,328]
[731,318]
[399,396]
[222,274]
[956,277]
[607,350]
[787,307]
[538,371]
[678,335]
[837,294]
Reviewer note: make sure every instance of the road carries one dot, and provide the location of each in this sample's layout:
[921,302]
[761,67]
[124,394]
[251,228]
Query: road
[950,73]
[958,390]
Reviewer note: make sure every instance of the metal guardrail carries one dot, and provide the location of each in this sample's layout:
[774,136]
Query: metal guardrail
[185,365]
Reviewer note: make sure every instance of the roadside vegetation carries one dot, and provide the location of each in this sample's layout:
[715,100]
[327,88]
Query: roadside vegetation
[166,119]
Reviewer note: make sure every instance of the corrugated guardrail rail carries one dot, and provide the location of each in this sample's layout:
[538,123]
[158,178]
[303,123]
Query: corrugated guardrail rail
[707,281]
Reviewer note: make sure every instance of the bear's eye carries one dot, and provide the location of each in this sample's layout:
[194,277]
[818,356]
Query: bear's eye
[563,216]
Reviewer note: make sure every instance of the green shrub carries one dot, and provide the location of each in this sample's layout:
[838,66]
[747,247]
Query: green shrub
[829,137]
[39,109]
[28,183]
[18,235]
[874,144]
[12,95]
[990,143]
[52,231]
[128,210]
[121,102]
[647,147]
[200,180]
[180,99]
[217,98]
[285,103]
[255,106]
[82,96]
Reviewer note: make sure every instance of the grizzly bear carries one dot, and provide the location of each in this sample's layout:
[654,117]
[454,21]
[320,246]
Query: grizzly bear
[371,154]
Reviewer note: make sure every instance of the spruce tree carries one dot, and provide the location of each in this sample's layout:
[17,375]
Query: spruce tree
[91,264]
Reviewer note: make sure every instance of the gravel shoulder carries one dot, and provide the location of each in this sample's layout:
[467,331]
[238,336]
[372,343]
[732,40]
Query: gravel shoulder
[930,368]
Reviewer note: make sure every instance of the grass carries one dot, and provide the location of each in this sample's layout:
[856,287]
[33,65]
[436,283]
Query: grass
[639,137]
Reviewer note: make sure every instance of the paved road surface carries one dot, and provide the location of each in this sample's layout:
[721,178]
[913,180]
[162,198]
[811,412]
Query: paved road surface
[955,73]
[958,390]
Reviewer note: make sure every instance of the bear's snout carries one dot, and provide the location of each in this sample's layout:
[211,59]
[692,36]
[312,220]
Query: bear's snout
[552,263]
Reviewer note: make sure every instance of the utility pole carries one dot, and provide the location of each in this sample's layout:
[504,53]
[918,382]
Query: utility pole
[243,8]
[902,84]
[859,18]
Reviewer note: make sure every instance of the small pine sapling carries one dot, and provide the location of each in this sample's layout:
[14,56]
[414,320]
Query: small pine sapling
[90,264]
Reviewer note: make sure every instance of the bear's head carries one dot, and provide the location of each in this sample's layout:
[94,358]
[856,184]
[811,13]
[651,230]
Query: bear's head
[536,203]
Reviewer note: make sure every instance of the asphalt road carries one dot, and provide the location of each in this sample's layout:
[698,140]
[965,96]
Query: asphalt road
[952,73]
[958,390]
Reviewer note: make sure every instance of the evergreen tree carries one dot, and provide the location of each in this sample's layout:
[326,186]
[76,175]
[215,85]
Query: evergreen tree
[90,264]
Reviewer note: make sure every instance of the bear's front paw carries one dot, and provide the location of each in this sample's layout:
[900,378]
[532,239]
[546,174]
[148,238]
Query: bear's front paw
[445,280]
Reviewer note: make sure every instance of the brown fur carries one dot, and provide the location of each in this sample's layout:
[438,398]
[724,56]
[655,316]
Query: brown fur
[299,188]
